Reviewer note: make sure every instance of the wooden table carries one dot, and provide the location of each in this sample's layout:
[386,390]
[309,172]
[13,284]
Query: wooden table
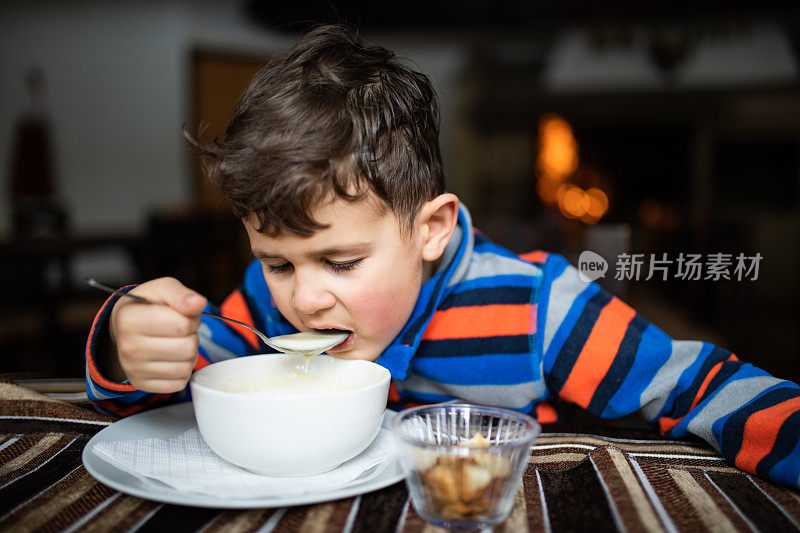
[597,479]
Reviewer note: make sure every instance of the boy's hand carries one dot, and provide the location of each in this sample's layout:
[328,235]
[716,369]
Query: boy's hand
[156,345]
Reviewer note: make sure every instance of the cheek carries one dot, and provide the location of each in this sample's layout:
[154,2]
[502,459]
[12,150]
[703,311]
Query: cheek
[381,308]
[283,301]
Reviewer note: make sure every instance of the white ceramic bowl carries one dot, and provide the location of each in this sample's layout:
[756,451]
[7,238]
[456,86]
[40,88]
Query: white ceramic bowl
[327,420]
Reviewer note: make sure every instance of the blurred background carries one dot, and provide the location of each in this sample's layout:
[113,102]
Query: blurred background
[618,127]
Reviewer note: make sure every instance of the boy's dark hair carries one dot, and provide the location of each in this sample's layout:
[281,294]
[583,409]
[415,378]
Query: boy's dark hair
[330,116]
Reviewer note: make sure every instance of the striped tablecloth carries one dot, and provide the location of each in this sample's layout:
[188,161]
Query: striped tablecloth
[592,480]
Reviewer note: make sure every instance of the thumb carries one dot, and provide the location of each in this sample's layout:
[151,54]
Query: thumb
[183,299]
[192,303]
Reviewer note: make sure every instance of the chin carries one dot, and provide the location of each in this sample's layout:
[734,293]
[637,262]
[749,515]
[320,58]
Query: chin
[354,355]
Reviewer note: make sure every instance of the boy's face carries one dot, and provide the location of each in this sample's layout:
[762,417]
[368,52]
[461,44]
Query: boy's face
[359,274]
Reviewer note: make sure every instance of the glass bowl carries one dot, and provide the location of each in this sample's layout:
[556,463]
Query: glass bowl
[463,462]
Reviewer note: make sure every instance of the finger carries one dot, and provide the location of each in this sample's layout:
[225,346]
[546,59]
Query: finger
[141,349]
[155,321]
[160,386]
[166,370]
[173,293]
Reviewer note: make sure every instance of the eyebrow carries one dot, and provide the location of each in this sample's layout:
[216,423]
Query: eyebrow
[355,248]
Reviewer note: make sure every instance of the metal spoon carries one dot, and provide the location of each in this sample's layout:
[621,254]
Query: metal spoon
[326,340]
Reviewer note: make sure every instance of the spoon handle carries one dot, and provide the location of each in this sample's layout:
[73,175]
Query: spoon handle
[103,287]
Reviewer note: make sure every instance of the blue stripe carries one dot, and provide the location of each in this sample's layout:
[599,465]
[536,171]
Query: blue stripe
[552,269]
[258,297]
[485,246]
[430,295]
[566,326]
[732,426]
[787,470]
[426,397]
[786,440]
[564,362]
[684,382]
[125,397]
[475,346]
[489,282]
[745,371]
[204,353]
[489,296]
[726,372]
[654,350]
[135,396]
[684,400]
[489,369]
[222,334]
[620,367]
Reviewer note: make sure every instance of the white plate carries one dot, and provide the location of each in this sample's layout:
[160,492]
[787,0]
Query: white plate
[173,420]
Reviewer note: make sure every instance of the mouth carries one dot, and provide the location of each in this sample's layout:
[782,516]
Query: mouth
[345,344]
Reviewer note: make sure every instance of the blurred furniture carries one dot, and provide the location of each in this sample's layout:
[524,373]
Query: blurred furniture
[206,249]
[583,474]
[610,241]
[46,310]
[218,81]
[44,318]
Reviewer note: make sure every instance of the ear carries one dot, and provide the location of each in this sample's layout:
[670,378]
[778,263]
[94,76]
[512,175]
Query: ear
[436,222]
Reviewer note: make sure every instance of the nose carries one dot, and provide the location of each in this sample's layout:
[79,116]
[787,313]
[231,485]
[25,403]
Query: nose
[310,295]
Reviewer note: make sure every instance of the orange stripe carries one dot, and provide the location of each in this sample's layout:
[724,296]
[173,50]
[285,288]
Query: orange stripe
[665,424]
[598,353]
[545,413]
[108,405]
[201,362]
[536,256]
[760,432]
[94,373]
[236,308]
[479,321]
[394,396]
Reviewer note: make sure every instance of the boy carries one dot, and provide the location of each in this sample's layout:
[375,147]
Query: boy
[331,161]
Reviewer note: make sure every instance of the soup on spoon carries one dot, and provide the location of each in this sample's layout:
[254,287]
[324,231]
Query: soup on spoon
[308,343]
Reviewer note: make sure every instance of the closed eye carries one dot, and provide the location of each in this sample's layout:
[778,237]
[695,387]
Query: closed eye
[278,269]
[335,267]
[344,267]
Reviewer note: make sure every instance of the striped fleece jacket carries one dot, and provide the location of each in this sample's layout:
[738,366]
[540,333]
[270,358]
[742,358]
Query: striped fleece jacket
[491,327]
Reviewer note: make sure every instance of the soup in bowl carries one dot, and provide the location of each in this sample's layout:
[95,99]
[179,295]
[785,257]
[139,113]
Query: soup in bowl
[271,415]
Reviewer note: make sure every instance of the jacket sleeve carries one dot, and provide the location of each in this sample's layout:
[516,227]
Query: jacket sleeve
[249,303]
[601,354]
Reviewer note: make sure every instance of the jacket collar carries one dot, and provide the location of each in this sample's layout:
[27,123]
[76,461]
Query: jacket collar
[452,269]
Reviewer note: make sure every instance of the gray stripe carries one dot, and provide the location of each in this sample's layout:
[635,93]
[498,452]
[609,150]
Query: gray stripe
[95,393]
[513,396]
[466,259]
[565,288]
[655,395]
[729,399]
[489,265]
[216,352]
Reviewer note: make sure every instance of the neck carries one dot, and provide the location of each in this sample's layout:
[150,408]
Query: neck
[429,269]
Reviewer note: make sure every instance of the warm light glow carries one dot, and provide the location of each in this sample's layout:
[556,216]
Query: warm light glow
[670,218]
[557,162]
[598,202]
[548,189]
[650,213]
[558,149]
[573,201]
